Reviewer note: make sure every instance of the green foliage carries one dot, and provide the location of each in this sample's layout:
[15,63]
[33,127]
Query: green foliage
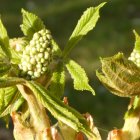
[58,81]
[4,40]
[85,24]
[120,76]
[59,110]
[135,55]
[10,81]
[79,76]
[31,24]
[4,68]
[37,54]
[56,50]
[15,58]
[137,42]
[10,100]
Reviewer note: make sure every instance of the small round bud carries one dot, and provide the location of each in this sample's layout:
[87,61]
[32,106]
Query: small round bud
[37,74]
[40,55]
[30,72]
[33,61]
[36,36]
[42,60]
[41,50]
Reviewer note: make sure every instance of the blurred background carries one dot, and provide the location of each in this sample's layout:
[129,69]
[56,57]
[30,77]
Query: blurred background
[112,33]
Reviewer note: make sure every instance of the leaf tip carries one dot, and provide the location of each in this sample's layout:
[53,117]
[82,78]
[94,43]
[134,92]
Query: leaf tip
[23,10]
[101,5]
[92,90]
[135,33]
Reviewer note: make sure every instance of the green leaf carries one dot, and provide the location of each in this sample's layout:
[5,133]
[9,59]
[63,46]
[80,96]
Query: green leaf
[15,59]
[58,81]
[2,54]
[10,81]
[85,24]
[4,67]
[56,50]
[59,110]
[137,42]
[135,55]
[10,100]
[79,76]
[67,132]
[31,23]
[110,85]
[120,76]
[4,40]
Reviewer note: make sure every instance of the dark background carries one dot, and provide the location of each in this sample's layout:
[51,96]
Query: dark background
[112,33]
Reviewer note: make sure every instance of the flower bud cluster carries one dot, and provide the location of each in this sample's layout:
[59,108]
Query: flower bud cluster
[135,57]
[37,55]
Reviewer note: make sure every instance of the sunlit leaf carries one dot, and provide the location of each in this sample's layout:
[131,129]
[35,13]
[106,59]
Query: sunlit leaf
[120,76]
[4,40]
[85,24]
[79,76]
[4,68]
[10,100]
[59,110]
[137,42]
[10,81]
[31,23]
[58,81]
[56,49]
[135,55]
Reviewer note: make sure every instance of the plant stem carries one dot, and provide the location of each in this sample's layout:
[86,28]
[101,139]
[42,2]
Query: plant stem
[131,128]
[41,121]
[132,119]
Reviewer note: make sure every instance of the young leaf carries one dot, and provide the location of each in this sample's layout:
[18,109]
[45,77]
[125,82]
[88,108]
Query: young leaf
[85,24]
[59,110]
[137,42]
[56,50]
[4,68]
[120,76]
[135,55]
[10,100]
[110,85]
[10,81]
[15,58]
[31,23]
[58,81]
[79,76]
[2,54]
[4,40]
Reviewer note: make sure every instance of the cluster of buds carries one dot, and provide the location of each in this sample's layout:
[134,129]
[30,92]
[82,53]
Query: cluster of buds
[37,55]
[135,57]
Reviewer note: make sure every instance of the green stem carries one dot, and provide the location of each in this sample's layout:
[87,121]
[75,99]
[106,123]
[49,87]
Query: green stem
[41,121]
[131,126]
